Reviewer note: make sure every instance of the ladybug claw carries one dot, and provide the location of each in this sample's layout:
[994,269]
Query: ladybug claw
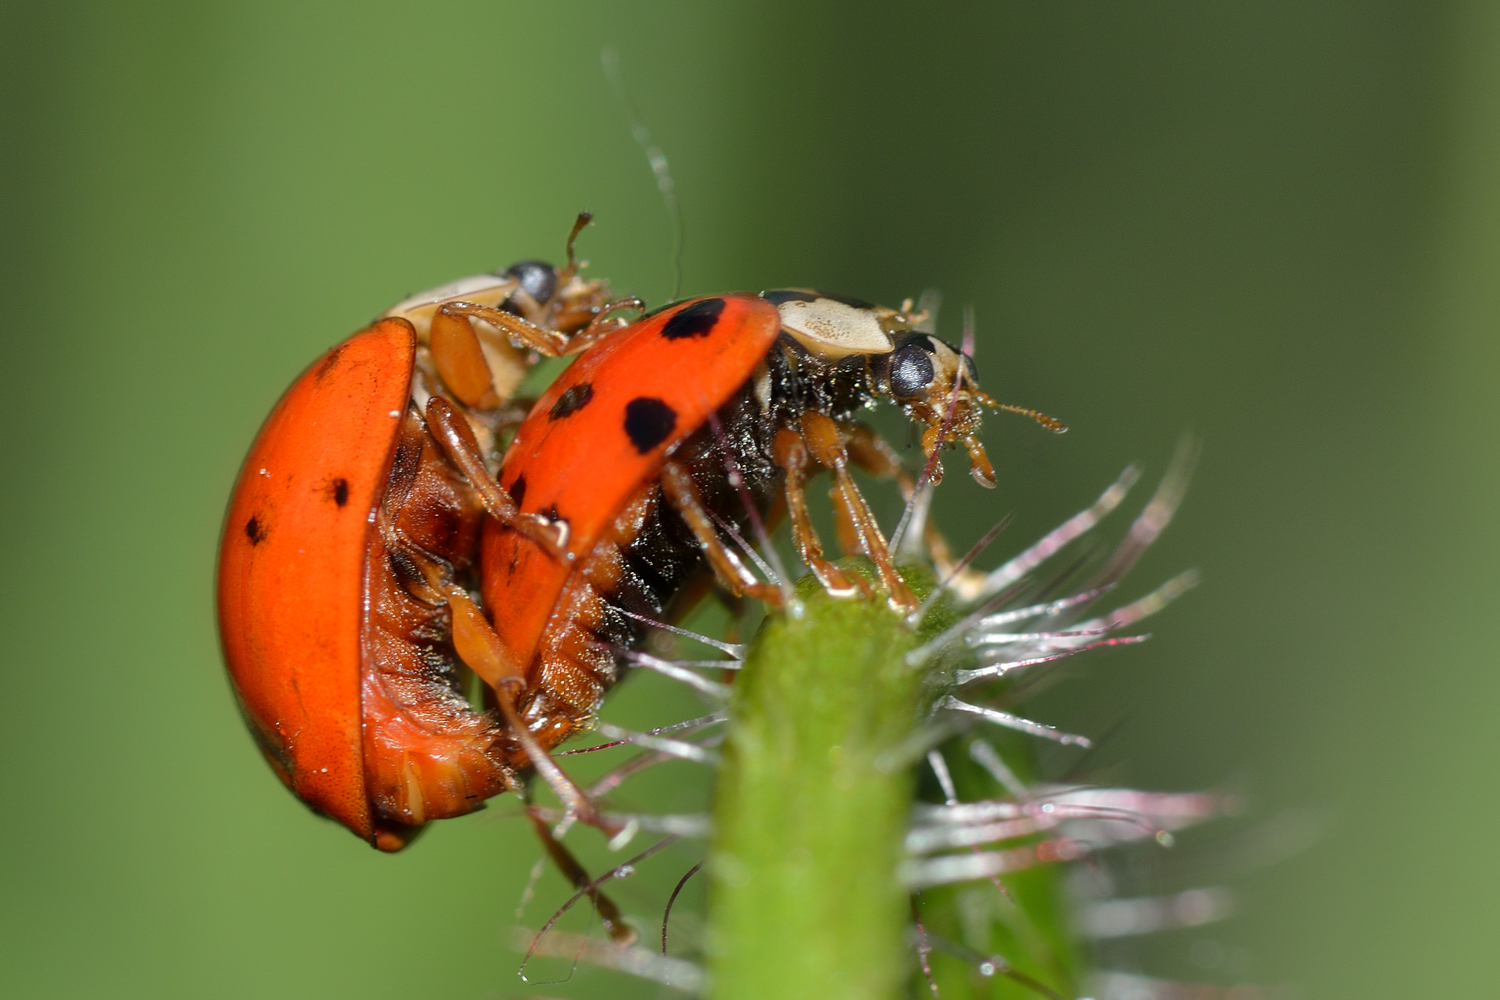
[550,535]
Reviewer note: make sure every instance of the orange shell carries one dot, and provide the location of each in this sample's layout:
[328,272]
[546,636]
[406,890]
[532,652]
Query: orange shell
[575,457]
[291,565]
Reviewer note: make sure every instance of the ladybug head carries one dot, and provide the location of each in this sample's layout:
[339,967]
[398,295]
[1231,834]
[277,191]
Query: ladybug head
[937,385]
[537,279]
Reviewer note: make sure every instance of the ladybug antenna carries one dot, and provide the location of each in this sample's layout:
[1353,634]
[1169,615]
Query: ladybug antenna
[1051,423]
[579,224]
[609,58]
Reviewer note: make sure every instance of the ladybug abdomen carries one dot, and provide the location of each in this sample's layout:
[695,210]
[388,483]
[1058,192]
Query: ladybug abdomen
[428,754]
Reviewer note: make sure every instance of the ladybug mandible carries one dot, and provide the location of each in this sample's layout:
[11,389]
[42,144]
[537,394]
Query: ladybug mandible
[352,527]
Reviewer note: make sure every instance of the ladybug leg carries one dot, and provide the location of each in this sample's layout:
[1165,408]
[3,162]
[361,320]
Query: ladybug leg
[827,447]
[872,453]
[677,486]
[573,871]
[551,343]
[476,643]
[452,432]
[789,452]
[460,360]
[604,323]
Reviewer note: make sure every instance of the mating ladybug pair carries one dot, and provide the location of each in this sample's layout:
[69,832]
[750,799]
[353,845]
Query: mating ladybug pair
[369,511]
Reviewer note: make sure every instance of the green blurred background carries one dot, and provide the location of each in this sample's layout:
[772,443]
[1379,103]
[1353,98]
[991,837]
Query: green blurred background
[1276,224]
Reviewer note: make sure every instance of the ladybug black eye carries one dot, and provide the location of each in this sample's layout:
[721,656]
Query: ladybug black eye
[538,279]
[911,371]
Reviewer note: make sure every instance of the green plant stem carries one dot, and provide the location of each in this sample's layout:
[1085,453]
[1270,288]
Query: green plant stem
[810,813]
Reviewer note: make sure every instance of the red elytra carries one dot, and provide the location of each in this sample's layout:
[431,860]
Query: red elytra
[579,462]
[291,565]
[622,450]
[348,523]
[338,588]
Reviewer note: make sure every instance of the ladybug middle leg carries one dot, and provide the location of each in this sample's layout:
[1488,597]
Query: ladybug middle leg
[790,454]
[460,359]
[453,433]
[678,489]
[858,527]
[476,643]
[872,453]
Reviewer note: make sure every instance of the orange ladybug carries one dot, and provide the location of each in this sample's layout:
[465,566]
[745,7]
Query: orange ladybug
[637,447]
[355,514]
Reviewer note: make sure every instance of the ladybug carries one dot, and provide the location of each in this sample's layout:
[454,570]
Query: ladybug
[352,529]
[637,447]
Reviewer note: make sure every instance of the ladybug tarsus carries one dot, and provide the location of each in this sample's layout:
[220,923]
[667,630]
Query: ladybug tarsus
[457,439]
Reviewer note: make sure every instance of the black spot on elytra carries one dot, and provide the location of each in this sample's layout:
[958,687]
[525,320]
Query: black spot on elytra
[329,363]
[571,401]
[648,421]
[697,320]
[254,531]
[518,490]
[340,491]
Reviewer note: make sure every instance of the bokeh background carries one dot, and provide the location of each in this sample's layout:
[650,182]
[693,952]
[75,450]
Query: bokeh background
[1277,225]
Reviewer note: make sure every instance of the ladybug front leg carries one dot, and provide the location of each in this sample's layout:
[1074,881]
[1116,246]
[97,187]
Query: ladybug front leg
[872,453]
[453,433]
[455,315]
[604,323]
[858,523]
[678,489]
[789,452]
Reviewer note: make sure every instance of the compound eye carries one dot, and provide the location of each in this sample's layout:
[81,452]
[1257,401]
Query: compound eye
[538,279]
[911,371]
